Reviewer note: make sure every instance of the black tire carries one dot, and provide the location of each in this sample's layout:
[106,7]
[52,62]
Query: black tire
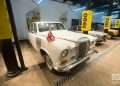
[110,35]
[48,62]
[47,59]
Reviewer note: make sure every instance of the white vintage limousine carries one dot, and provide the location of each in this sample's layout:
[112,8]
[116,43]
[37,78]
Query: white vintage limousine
[61,49]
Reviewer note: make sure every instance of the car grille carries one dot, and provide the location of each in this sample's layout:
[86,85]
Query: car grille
[84,45]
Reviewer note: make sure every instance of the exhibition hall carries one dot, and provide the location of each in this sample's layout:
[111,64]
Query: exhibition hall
[59,42]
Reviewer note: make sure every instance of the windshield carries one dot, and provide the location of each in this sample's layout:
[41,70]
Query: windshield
[52,26]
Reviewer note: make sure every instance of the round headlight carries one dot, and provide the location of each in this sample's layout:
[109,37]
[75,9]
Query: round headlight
[64,53]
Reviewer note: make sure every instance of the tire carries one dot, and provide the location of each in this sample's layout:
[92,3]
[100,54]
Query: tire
[111,35]
[48,62]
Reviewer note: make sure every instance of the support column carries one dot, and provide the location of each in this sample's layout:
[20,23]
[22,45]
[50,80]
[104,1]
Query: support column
[85,32]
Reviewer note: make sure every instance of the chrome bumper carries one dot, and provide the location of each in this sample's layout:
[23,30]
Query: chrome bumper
[75,63]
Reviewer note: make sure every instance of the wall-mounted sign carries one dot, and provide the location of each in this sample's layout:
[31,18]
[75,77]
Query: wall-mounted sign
[86,20]
[5,28]
[117,23]
[107,22]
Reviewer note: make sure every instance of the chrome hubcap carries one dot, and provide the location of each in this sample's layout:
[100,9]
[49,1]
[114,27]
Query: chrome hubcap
[48,62]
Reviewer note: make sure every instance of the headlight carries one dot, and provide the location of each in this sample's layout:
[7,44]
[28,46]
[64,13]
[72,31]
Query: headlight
[64,53]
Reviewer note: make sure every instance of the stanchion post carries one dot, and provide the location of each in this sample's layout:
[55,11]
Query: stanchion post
[9,58]
[10,12]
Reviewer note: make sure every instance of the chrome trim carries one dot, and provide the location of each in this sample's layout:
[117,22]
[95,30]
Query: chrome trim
[75,63]
[101,38]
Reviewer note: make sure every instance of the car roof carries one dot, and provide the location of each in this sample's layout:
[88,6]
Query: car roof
[46,22]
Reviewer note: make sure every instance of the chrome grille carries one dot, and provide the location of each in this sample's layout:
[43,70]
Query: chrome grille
[84,44]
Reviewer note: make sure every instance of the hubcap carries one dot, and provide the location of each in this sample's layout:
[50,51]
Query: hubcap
[49,62]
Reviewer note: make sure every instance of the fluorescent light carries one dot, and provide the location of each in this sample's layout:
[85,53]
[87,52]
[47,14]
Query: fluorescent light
[114,16]
[98,13]
[115,12]
[37,1]
[79,9]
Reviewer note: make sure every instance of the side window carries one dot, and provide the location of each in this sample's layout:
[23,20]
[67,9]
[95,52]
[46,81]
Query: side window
[31,28]
[34,28]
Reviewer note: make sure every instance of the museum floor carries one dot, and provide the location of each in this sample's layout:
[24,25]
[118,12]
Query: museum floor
[97,72]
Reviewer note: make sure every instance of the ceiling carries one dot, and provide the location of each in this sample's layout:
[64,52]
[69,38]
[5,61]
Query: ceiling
[84,2]
[98,5]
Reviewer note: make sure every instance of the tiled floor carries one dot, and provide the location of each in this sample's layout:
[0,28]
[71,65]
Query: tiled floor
[98,73]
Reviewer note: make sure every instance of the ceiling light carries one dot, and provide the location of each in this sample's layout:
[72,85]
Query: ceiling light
[98,13]
[37,1]
[79,9]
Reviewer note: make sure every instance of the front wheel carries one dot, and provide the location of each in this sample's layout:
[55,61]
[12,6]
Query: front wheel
[49,63]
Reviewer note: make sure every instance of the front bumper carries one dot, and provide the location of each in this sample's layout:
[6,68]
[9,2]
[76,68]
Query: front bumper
[75,63]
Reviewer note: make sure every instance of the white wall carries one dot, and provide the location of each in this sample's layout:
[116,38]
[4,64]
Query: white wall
[77,12]
[50,11]
[20,8]
[98,17]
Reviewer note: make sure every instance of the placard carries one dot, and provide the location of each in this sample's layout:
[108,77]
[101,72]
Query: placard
[107,22]
[5,28]
[117,23]
[86,20]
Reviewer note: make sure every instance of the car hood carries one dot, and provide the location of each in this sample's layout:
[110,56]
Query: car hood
[69,35]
